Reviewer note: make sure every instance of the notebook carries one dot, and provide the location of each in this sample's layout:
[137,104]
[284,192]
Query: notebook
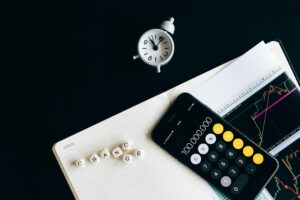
[157,175]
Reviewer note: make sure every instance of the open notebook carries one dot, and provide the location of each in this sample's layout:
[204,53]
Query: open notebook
[158,175]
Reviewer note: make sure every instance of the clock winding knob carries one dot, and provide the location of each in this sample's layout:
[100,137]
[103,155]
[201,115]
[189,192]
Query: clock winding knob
[168,25]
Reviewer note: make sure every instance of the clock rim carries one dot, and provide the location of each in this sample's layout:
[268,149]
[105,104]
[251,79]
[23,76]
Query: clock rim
[165,61]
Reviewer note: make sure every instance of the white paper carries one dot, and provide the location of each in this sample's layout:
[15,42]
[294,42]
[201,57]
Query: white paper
[238,81]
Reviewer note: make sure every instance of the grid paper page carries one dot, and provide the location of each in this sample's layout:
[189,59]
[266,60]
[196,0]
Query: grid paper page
[156,176]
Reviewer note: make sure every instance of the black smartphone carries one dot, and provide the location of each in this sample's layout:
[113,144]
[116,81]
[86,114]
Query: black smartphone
[214,149]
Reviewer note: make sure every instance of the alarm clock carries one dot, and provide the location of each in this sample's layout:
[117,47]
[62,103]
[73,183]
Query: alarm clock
[156,46]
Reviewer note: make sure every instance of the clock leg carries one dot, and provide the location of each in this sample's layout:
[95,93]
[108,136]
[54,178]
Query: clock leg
[135,57]
[158,68]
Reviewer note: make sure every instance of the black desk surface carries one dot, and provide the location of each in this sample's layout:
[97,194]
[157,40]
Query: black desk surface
[68,65]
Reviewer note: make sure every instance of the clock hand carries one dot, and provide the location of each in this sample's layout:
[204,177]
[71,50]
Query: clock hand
[158,43]
[154,46]
[152,42]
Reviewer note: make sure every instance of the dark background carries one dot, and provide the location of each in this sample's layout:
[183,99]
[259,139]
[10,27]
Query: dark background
[68,65]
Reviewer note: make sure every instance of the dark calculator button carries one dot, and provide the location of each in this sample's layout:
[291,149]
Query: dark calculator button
[240,161]
[223,164]
[213,156]
[220,146]
[250,168]
[205,166]
[215,174]
[239,184]
[233,171]
[230,154]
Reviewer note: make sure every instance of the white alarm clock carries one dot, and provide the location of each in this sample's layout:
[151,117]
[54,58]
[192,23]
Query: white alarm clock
[156,46]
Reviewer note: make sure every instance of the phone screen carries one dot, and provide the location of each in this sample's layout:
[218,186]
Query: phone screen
[188,131]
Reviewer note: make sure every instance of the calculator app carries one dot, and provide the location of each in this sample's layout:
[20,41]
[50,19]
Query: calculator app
[213,149]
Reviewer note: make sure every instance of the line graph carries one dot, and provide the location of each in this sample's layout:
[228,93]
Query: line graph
[266,95]
[265,117]
[266,98]
[286,183]
[281,92]
[280,184]
[275,103]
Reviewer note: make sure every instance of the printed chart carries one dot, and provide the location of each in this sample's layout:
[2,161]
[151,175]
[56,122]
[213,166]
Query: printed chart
[286,183]
[271,114]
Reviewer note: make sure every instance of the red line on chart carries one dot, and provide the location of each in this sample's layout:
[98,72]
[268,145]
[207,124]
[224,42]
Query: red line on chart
[285,186]
[274,104]
[297,177]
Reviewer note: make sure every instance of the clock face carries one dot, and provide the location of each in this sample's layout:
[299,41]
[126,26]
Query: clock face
[156,47]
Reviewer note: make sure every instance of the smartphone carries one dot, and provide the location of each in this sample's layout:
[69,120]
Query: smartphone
[214,149]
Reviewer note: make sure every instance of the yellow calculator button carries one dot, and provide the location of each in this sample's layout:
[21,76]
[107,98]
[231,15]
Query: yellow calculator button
[258,158]
[228,136]
[248,151]
[218,128]
[238,143]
